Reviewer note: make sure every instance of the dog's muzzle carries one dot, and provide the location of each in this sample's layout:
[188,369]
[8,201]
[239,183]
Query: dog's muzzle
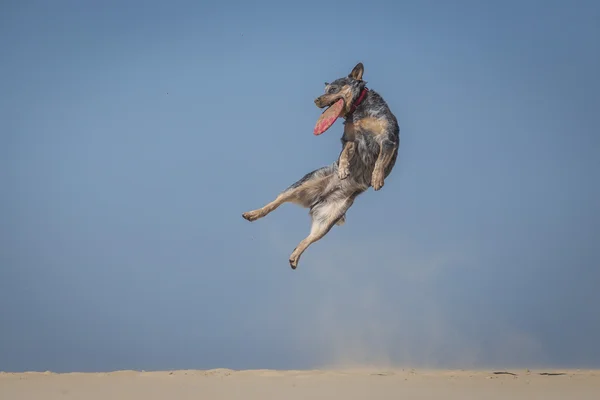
[324,101]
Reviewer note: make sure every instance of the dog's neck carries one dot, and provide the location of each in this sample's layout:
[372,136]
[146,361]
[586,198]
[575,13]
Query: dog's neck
[361,97]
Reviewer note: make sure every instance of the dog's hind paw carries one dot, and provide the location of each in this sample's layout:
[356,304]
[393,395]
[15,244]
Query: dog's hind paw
[294,259]
[252,215]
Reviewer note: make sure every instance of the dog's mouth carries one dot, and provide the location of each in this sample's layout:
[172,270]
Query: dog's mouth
[326,101]
[332,111]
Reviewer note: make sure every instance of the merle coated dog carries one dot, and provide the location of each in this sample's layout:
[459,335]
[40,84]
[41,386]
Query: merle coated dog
[369,150]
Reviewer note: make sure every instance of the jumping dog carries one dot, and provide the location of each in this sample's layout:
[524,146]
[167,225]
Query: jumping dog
[369,150]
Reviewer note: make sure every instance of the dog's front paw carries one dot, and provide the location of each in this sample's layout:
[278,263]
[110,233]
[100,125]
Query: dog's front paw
[377,180]
[343,171]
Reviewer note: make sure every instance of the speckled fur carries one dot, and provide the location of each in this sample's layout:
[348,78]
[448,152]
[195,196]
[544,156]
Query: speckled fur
[369,150]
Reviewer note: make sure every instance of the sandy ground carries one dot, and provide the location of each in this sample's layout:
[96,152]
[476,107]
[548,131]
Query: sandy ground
[313,384]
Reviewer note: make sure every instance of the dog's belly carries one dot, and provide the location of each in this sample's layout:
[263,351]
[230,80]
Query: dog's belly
[365,156]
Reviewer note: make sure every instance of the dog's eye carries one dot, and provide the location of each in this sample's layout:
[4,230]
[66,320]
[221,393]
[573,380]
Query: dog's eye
[333,89]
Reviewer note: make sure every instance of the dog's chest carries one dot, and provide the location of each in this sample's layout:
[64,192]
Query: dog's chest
[374,128]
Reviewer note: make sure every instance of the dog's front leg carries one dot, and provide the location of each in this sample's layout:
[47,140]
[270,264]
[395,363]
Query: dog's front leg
[344,159]
[386,153]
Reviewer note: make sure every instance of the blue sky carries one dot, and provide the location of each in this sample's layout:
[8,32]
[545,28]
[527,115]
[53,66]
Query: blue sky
[134,134]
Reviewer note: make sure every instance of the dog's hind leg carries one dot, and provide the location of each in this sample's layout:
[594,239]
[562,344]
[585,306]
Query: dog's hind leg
[263,211]
[324,215]
[303,192]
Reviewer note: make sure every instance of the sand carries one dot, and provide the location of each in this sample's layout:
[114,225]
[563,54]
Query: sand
[313,384]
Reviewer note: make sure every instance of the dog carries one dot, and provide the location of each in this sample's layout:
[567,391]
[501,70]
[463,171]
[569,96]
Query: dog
[369,150]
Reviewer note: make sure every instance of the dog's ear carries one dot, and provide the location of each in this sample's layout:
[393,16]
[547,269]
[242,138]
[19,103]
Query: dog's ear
[357,72]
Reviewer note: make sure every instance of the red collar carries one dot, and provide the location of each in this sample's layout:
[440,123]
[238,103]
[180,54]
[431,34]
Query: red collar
[359,100]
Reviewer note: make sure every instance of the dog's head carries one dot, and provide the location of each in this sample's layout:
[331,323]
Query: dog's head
[347,88]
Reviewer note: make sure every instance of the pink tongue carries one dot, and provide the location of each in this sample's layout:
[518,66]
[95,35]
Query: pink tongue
[328,117]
